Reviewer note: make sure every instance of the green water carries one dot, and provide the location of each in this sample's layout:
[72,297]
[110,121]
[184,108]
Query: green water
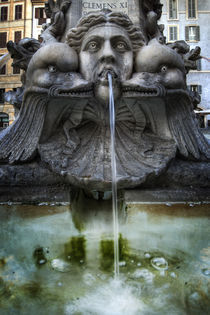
[49,266]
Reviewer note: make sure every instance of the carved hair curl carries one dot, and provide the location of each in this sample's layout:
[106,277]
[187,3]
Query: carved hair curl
[75,35]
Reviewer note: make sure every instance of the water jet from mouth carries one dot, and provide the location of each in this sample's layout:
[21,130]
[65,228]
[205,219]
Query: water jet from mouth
[114,178]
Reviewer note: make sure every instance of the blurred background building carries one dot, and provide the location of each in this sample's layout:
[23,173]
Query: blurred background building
[18,19]
[189,20]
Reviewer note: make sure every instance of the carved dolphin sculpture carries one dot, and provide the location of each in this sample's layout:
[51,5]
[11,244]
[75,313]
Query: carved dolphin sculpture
[143,85]
[161,68]
[158,68]
[51,76]
[164,62]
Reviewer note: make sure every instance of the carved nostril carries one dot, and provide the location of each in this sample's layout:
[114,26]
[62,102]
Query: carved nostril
[106,58]
[69,75]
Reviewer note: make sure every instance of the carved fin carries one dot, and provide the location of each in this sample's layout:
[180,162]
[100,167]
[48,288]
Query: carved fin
[184,129]
[21,140]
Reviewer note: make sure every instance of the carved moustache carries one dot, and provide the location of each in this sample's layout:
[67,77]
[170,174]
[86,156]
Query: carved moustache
[103,75]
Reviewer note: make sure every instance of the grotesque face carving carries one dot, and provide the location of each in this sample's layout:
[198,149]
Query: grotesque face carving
[106,49]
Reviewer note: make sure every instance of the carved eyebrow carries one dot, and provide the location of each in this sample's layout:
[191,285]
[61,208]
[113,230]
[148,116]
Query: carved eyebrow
[100,39]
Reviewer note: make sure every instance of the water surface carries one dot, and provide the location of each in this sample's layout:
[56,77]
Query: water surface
[51,263]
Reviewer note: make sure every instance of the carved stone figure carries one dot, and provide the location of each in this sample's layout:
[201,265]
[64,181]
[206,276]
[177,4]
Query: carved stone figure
[21,53]
[55,10]
[152,10]
[160,68]
[64,117]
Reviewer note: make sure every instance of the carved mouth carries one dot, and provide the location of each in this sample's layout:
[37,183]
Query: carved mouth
[104,74]
[142,91]
[77,92]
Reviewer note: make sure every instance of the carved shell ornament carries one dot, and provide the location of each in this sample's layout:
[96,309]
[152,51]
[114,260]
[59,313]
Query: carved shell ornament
[64,118]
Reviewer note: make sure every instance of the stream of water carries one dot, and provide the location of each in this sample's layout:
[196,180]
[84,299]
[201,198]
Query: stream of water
[114,178]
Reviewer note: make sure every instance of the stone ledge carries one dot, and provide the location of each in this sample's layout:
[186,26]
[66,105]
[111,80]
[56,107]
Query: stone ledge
[34,194]
[184,181]
[143,196]
[179,174]
[29,174]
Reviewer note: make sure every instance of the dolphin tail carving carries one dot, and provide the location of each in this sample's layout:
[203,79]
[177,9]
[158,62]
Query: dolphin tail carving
[184,129]
[20,141]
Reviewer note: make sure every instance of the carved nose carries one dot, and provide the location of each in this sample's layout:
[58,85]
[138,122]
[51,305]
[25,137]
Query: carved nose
[107,53]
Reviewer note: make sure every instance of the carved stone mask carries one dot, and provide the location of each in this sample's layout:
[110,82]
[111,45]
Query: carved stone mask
[104,49]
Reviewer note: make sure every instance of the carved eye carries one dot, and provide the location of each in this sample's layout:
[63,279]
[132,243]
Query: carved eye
[164,69]
[52,69]
[121,46]
[92,46]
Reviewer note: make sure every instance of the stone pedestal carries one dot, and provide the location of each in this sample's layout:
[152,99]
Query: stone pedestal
[33,183]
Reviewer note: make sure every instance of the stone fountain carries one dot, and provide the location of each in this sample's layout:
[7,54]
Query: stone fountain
[60,140]
[56,257]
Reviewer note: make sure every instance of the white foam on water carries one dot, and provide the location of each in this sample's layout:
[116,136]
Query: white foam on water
[112,298]
[159,263]
[60,265]
[144,274]
[89,279]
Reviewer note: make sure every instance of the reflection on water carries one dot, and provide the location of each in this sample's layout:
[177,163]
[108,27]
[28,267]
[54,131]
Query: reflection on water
[75,249]
[48,266]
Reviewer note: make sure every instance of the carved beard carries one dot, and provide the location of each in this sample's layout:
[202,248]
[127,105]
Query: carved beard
[101,84]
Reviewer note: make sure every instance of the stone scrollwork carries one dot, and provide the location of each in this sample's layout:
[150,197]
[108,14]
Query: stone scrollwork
[64,117]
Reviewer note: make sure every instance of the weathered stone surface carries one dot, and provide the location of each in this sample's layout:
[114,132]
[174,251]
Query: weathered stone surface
[186,174]
[28,175]
[32,183]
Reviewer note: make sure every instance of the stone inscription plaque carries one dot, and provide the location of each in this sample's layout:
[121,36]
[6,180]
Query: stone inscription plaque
[95,5]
